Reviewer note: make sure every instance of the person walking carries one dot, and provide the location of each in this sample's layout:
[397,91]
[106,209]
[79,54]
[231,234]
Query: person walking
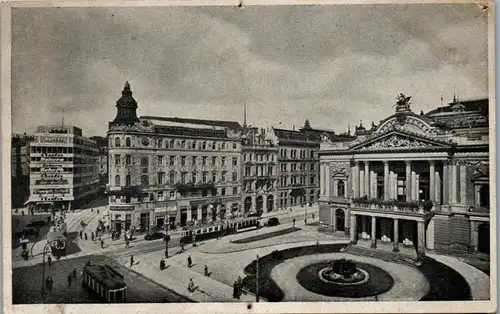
[48,283]
[81,234]
[206,270]
[102,244]
[131,260]
[69,279]
[127,242]
[191,285]
[190,261]
[293,222]
[235,291]
[49,260]
[93,236]
[74,273]
[85,235]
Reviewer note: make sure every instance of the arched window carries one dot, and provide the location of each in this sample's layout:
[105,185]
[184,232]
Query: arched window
[128,142]
[183,145]
[204,145]
[145,180]
[171,145]
[193,145]
[223,146]
[159,144]
[214,146]
[117,180]
[341,188]
[117,142]
[127,180]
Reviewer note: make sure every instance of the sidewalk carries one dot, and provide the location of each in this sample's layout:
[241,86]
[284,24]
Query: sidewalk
[296,211]
[176,278]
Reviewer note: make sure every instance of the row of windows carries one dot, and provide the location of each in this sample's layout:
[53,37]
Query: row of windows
[259,171]
[259,157]
[180,144]
[297,154]
[259,185]
[284,181]
[296,200]
[184,177]
[173,160]
[293,167]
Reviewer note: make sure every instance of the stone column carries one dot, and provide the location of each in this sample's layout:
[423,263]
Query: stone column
[188,215]
[453,184]
[374,233]
[347,222]
[254,200]
[200,213]
[391,185]
[417,187]
[408,180]
[386,180]
[395,239]
[363,224]
[477,193]
[355,179]
[327,178]
[353,229]
[322,178]
[437,192]
[432,189]
[463,184]
[421,238]
[333,217]
[446,183]
[413,185]
[361,183]
[335,188]
[367,178]
[371,195]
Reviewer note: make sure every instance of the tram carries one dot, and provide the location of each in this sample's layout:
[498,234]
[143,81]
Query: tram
[219,229]
[57,237]
[104,282]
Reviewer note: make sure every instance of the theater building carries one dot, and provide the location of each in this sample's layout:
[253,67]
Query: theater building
[260,173]
[173,171]
[413,180]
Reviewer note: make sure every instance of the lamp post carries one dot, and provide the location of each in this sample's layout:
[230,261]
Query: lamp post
[257,279]
[167,239]
[43,266]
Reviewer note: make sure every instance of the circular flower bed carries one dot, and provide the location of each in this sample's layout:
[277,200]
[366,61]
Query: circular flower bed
[345,279]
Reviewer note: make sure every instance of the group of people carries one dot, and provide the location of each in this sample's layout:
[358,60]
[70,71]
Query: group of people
[71,277]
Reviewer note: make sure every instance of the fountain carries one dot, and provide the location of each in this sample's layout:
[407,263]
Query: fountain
[344,272]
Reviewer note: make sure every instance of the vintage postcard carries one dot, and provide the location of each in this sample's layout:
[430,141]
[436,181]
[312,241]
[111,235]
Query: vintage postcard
[248,157]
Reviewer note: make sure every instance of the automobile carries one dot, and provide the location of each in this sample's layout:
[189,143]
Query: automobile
[254,215]
[273,221]
[154,235]
[29,230]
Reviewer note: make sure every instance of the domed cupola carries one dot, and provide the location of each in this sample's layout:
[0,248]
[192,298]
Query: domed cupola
[127,107]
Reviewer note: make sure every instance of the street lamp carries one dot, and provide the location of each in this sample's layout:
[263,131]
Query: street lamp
[167,239]
[43,265]
[257,279]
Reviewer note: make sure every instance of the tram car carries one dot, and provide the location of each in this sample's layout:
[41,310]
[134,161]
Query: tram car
[104,282]
[57,237]
[221,229]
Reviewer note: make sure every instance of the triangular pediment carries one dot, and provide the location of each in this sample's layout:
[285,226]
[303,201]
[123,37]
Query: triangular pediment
[397,140]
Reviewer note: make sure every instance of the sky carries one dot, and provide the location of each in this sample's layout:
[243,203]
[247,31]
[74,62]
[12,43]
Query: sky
[334,64]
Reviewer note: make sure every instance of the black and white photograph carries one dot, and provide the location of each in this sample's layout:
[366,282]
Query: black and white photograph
[248,157]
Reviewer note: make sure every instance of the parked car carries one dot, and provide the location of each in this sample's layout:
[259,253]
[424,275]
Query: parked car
[273,221]
[154,235]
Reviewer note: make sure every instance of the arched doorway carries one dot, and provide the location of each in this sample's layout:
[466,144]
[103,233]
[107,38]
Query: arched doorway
[483,243]
[260,203]
[340,219]
[248,204]
[270,203]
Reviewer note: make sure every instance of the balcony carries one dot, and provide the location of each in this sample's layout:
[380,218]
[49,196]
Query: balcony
[413,208]
[121,207]
[132,191]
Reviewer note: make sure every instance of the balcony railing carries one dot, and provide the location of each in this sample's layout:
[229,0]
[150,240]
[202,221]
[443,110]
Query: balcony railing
[394,205]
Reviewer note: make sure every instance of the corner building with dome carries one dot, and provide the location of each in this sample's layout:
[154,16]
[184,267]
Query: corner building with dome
[419,181]
[171,171]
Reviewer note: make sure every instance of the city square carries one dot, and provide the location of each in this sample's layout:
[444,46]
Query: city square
[188,177]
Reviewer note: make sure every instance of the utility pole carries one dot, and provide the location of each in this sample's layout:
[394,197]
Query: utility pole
[257,279]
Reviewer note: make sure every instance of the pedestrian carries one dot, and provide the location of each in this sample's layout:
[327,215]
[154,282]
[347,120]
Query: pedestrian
[206,270]
[131,260]
[102,244]
[48,283]
[235,290]
[93,236]
[85,235]
[294,222]
[127,242]
[313,215]
[74,273]
[190,261]
[49,260]
[81,234]
[98,211]
[239,281]
[69,279]
[191,285]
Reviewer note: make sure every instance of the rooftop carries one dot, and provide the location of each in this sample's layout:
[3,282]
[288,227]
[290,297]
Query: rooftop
[210,123]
